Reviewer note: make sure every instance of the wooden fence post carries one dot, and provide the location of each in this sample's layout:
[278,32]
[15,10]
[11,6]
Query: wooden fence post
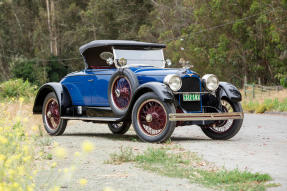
[245,93]
[245,86]
[253,90]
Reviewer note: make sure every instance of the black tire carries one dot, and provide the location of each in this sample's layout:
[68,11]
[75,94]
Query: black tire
[145,103]
[231,131]
[120,128]
[133,82]
[59,128]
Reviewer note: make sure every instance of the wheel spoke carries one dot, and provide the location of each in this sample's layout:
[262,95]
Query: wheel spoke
[52,114]
[158,120]
[223,126]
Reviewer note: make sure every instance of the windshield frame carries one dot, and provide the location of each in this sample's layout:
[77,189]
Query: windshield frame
[116,57]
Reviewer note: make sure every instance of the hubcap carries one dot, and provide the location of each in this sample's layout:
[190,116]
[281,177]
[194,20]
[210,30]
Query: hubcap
[117,92]
[152,117]
[148,118]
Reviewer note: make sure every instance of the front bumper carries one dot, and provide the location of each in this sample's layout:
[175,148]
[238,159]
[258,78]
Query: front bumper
[205,116]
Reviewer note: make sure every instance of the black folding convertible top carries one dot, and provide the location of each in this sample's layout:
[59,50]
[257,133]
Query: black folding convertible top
[101,43]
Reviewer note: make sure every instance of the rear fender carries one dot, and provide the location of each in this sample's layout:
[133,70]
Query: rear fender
[61,92]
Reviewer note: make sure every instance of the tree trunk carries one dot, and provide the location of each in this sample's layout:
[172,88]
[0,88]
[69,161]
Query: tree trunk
[52,27]
[54,31]
[4,73]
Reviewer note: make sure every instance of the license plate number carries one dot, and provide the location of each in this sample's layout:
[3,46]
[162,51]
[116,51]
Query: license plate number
[191,97]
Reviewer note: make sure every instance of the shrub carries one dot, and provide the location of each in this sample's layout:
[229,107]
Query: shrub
[38,72]
[250,106]
[267,105]
[283,82]
[16,88]
[28,69]
[261,109]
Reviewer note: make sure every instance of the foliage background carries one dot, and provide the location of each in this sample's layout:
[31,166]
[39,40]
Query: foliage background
[229,38]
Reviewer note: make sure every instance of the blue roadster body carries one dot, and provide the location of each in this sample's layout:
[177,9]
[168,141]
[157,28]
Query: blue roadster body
[127,82]
[90,87]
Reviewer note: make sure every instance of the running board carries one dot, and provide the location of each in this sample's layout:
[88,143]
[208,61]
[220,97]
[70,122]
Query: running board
[205,116]
[91,118]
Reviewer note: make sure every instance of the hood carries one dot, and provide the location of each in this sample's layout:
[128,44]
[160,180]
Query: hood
[150,74]
[151,71]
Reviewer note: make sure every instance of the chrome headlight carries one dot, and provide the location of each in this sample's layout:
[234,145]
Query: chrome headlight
[210,81]
[173,81]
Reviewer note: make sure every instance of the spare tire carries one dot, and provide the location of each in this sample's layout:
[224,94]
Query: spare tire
[122,86]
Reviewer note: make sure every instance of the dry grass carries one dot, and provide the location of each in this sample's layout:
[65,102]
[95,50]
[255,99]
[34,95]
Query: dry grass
[25,110]
[261,96]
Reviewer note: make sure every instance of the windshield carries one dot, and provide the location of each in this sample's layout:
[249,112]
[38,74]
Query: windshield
[141,57]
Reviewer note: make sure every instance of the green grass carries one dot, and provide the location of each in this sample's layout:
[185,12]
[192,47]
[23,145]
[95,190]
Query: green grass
[188,165]
[267,105]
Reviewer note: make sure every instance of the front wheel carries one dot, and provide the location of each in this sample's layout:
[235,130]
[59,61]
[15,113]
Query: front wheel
[223,130]
[51,115]
[119,128]
[150,118]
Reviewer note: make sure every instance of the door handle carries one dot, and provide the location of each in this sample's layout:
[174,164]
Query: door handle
[90,80]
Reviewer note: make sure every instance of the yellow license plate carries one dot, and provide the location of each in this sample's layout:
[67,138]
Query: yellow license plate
[191,97]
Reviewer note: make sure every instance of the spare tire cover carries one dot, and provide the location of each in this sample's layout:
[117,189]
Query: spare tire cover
[122,86]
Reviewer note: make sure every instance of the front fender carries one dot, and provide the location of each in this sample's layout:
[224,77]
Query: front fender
[161,90]
[229,91]
[60,91]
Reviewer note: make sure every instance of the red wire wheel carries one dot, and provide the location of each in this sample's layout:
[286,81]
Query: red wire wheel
[52,114]
[152,117]
[225,129]
[223,126]
[121,92]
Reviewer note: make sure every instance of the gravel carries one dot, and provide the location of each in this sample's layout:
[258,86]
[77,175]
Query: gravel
[260,146]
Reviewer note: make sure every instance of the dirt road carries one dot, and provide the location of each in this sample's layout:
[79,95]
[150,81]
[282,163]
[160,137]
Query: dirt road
[260,146]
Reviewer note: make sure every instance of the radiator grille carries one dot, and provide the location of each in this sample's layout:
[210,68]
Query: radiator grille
[190,84]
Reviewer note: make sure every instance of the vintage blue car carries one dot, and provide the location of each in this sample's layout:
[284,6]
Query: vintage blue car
[127,82]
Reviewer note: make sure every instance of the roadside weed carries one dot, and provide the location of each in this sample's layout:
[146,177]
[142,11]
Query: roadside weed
[16,154]
[22,142]
[181,164]
[125,155]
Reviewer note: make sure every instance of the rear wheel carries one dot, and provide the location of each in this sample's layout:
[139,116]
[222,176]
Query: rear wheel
[151,118]
[119,128]
[223,130]
[51,115]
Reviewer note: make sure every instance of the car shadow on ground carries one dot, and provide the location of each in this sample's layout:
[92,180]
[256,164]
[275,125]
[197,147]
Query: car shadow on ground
[132,138]
[104,135]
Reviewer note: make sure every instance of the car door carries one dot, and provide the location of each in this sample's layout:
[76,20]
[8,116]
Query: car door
[78,87]
[98,80]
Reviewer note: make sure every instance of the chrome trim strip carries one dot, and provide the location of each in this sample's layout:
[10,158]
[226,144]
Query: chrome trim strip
[205,116]
[191,92]
[100,108]
[91,118]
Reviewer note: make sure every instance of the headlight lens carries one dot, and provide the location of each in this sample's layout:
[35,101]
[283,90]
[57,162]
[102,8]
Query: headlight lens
[210,81]
[173,81]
